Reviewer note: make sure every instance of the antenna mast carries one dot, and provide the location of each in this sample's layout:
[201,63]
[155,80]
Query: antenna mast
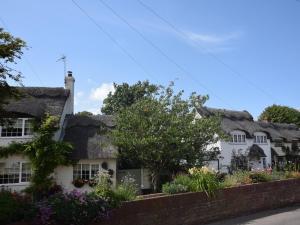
[63,58]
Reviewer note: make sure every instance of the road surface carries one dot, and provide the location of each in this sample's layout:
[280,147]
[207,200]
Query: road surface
[285,216]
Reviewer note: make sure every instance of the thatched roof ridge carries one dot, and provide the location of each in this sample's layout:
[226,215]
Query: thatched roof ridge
[37,101]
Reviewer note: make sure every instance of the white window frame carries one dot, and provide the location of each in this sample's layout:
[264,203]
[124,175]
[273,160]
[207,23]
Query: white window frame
[90,169]
[23,130]
[20,176]
[261,139]
[238,139]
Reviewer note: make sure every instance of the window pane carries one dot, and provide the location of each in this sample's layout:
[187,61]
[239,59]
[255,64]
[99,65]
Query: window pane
[9,175]
[244,138]
[85,170]
[239,138]
[94,170]
[235,138]
[14,130]
[261,139]
[26,172]
[77,171]
[28,127]
[265,139]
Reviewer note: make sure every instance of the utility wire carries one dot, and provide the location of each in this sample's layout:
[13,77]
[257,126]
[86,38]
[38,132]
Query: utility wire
[157,48]
[183,34]
[31,67]
[109,36]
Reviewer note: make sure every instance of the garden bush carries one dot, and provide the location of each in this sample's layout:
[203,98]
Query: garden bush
[292,174]
[172,188]
[260,176]
[204,179]
[74,208]
[15,207]
[127,190]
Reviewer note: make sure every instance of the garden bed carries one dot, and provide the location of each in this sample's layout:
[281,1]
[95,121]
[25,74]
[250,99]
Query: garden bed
[197,208]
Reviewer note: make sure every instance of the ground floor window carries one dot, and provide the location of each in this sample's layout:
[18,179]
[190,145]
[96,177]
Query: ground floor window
[18,172]
[85,171]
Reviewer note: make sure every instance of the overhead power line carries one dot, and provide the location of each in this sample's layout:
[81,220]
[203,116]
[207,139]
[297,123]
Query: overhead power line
[109,36]
[158,49]
[183,34]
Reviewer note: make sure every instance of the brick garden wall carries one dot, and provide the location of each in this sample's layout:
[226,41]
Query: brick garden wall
[196,208]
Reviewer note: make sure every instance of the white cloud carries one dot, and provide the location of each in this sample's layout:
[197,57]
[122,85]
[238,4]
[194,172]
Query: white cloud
[100,93]
[212,38]
[80,94]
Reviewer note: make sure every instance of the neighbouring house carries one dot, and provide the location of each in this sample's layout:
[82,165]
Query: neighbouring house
[92,148]
[252,145]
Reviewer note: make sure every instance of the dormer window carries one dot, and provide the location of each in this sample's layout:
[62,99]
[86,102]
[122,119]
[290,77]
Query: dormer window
[238,138]
[260,139]
[21,127]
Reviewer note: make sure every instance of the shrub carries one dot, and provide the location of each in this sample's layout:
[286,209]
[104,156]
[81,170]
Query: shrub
[230,181]
[243,177]
[14,207]
[183,180]
[278,175]
[172,188]
[205,180]
[127,190]
[292,174]
[258,177]
[74,208]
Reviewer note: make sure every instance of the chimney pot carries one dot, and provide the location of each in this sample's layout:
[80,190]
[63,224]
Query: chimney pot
[69,73]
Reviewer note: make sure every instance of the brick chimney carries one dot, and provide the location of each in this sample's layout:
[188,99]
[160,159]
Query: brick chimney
[69,84]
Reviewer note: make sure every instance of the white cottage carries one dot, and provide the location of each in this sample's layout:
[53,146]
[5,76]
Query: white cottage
[92,149]
[248,145]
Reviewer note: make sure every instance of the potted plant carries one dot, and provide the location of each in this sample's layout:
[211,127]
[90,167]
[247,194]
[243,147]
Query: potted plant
[78,182]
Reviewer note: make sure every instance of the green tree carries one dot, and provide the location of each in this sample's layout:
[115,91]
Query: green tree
[84,113]
[161,132]
[280,114]
[11,49]
[125,95]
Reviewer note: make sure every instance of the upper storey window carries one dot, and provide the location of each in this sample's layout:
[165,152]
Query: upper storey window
[238,138]
[21,127]
[260,139]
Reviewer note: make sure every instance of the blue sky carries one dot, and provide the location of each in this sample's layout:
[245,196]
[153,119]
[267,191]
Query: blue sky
[244,54]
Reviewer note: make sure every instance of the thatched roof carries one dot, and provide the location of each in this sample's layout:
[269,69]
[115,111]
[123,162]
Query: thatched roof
[89,136]
[243,120]
[36,101]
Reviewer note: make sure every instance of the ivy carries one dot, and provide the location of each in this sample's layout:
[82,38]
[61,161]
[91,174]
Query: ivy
[45,154]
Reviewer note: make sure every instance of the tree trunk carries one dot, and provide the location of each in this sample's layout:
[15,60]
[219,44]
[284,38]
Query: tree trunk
[155,181]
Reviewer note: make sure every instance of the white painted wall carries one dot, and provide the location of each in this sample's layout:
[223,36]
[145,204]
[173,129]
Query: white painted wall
[227,147]
[64,174]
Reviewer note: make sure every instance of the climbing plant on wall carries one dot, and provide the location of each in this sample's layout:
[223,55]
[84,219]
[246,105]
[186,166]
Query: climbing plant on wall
[44,152]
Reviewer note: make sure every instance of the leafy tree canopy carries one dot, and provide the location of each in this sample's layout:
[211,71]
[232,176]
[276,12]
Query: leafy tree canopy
[161,132]
[11,49]
[280,114]
[125,95]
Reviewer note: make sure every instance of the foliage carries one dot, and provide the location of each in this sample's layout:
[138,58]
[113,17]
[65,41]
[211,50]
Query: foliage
[14,207]
[11,49]
[161,132]
[78,182]
[281,114]
[84,113]
[173,188]
[127,190]
[239,177]
[292,174]
[44,153]
[125,95]
[204,179]
[71,208]
[260,176]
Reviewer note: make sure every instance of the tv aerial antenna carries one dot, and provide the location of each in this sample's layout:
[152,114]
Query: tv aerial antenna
[63,58]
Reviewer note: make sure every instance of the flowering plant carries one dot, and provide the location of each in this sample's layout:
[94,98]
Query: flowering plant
[78,182]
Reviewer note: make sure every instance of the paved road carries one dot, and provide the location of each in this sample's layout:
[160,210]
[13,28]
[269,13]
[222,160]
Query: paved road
[286,216]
